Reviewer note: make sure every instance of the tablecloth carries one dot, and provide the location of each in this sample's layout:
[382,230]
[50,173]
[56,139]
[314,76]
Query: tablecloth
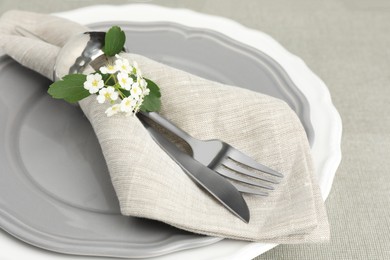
[347,44]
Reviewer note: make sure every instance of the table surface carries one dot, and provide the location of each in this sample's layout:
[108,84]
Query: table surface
[346,43]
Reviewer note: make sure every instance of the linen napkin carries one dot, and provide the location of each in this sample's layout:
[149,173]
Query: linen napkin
[150,185]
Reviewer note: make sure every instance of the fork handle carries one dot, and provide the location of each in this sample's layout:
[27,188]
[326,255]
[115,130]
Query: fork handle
[171,127]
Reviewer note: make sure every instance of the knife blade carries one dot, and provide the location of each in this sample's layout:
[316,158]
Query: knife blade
[212,182]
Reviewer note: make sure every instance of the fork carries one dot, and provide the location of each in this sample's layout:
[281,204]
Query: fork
[224,159]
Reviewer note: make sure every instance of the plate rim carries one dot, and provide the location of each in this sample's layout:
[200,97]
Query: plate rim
[251,38]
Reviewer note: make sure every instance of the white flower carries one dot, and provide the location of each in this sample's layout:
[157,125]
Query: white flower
[94,83]
[138,105]
[127,105]
[112,110]
[135,91]
[124,80]
[144,84]
[123,65]
[137,70]
[145,91]
[109,69]
[108,93]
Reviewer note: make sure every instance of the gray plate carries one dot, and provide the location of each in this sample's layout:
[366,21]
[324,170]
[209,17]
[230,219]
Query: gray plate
[55,190]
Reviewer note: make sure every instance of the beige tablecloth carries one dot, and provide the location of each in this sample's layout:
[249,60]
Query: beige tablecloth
[347,44]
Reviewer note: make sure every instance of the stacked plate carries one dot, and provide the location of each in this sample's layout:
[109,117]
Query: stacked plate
[67,203]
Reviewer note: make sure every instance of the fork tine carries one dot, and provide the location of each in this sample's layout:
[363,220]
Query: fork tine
[233,166]
[248,190]
[236,177]
[248,161]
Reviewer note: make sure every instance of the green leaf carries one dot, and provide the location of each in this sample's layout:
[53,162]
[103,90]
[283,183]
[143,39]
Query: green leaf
[125,92]
[114,41]
[154,89]
[70,88]
[152,102]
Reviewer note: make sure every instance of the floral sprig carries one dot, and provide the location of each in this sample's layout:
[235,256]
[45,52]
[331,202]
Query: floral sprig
[119,80]
[118,83]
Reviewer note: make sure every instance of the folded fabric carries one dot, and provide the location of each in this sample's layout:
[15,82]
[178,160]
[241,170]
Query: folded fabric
[151,185]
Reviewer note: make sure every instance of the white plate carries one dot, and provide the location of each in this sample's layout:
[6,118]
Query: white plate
[326,145]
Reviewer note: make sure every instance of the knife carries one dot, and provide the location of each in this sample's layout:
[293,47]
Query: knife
[216,185]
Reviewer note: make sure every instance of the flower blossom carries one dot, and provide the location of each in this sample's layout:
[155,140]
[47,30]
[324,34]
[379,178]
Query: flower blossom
[135,91]
[94,83]
[145,89]
[109,69]
[136,70]
[108,93]
[112,110]
[128,105]
[123,65]
[124,80]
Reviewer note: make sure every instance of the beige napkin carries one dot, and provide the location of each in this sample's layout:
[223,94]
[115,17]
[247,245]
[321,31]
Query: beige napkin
[150,185]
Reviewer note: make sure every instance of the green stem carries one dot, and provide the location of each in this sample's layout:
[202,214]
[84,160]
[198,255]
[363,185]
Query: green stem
[108,79]
[116,86]
[121,94]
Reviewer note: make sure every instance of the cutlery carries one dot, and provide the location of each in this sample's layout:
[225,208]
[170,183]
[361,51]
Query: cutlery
[215,184]
[224,159]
